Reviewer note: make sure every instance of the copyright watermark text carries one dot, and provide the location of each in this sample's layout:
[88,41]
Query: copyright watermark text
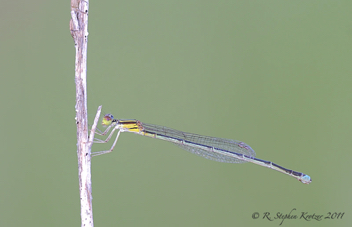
[297,215]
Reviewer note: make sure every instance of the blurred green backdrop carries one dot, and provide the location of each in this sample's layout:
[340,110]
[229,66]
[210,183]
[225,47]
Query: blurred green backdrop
[274,74]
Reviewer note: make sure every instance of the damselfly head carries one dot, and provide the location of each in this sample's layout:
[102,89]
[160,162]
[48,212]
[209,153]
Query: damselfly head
[107,119]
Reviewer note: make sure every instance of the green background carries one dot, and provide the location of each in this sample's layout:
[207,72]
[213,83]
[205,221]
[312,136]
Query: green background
[274,74]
